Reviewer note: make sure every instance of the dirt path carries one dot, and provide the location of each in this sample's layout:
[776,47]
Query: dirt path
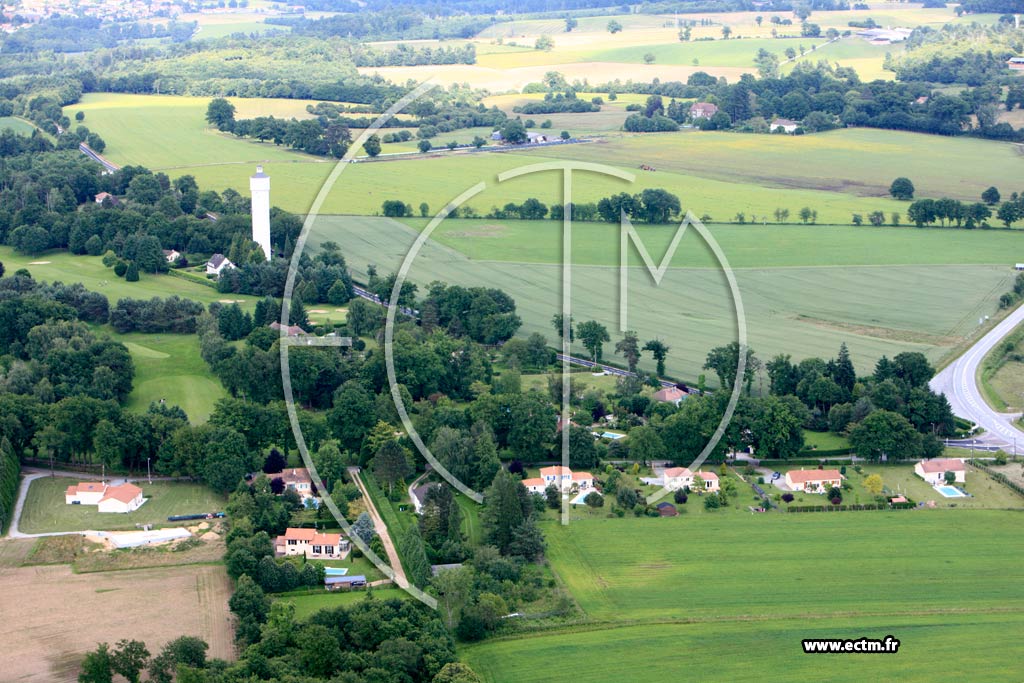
[397,573]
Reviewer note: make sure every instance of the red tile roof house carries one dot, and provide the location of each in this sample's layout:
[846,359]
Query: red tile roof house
[934,471]
[121,498]
[290,330]
[313,544]
[670,395]
[562,477]
[675,478]
[297,479]
[813,481]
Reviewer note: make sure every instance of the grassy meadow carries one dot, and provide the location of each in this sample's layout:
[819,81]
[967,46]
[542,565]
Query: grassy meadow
[169,367]
[45,510]
[13,123]
[658,591]
[308,603]
[791,307]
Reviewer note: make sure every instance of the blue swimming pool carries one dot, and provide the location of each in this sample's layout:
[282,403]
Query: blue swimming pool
[950,492]
[335,571]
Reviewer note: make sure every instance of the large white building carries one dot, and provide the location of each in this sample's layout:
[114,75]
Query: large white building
[259,186]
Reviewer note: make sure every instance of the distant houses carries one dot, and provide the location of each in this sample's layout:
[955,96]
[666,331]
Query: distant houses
[563,478]
[676,478]
[290,330]
[813,481]
[106,197]
[313,544]
[296,479]
[702,110]
[786,125]
[934,471]
[121,498]
[217,264]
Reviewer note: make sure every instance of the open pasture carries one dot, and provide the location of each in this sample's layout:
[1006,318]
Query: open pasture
[16,125]
[46,512]
[45,644]
[168,367]
[797,309]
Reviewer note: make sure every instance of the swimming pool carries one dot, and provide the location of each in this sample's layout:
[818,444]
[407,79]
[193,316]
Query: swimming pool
[335,571]
[950,491]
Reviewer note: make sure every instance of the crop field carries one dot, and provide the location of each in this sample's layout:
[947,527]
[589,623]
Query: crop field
[15,124]
[43,644]
[169,367]
[662,590]
[790,307]
[165,131]
[62,266]
[46,512]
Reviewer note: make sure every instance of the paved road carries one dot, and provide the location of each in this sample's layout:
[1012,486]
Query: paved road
[397,572]
[958,381]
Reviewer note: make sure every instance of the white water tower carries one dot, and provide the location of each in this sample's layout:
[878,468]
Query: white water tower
[259,186]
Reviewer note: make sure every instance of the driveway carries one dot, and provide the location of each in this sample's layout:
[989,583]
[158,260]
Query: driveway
[395,571]
[958,381]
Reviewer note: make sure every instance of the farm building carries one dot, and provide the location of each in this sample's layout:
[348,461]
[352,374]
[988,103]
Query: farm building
[313,544]
[813,481]
[297,479]
[675,478]
[702,110]
[934,471]
[217,264]
[562,477]
[536,137]
[884,36]
[673,395]
[121,498]
[787,125]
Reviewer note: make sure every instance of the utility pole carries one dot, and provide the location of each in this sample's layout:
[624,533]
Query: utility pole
[149,474]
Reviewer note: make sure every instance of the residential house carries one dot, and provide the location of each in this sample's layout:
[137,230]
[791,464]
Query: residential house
[1016,63]
[788,125]
[675,478]
[297,479]
[217,264]
[673,395]
[702,110]
[290,330]
[934,471]
[171,255]
[313,544]
[562,477]
[105,196]
[813,481]
[121,498]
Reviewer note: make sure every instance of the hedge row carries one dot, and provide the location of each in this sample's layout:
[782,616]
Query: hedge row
[824,452]
[1000,477]
[10,472]
[845,508]
[195,280]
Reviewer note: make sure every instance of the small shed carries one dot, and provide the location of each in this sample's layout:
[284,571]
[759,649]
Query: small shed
[667,510]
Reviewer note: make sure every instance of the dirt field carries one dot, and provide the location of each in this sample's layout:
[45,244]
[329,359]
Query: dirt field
[69,613]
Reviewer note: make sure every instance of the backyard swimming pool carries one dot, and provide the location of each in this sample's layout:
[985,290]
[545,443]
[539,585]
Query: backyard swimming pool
[950,492]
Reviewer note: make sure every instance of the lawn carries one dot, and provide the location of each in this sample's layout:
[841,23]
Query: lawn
[824,441]
[168,367]
[308,603]
[19,126]
[800,310]
[985,492]
[66,267]
[45,510]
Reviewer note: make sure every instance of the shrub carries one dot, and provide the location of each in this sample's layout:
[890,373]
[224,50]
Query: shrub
[680,497]
[788,497]
[120,268]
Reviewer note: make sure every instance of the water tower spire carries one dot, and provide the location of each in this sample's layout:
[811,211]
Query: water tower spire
[259,186]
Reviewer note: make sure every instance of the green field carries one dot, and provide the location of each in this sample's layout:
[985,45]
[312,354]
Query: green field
[308,603]
[45,510]
[690,592]
[797,309]
[66,267]
[19,126]
[169,367]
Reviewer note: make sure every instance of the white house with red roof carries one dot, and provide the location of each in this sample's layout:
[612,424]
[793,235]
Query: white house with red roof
[673,395]
[313,544]
[675,478]
[297,479]
[813,481]
[934,471]
[562,477]
[121,498]
[702,110]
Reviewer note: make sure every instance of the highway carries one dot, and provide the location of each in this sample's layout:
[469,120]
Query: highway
[958,381]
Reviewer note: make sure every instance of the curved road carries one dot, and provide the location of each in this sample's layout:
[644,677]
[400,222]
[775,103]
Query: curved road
[958,381]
